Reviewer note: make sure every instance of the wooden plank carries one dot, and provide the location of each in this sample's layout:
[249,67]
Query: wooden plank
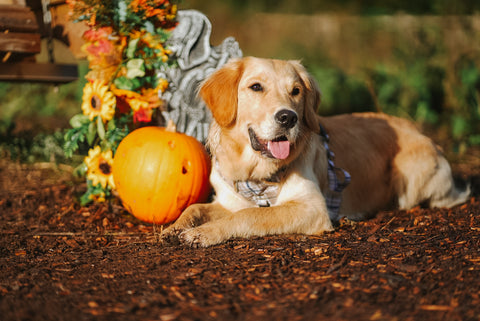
[13,8]
[38,72]
[16,18]
[20,42]
[12,3]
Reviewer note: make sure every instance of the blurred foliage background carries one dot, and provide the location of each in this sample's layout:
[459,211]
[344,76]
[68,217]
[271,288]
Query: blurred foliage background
[419,60]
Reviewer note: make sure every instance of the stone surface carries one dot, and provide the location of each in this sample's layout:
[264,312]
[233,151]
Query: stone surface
[196,59]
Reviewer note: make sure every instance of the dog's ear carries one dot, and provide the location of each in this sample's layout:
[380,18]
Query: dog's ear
[220,90]
[312,97]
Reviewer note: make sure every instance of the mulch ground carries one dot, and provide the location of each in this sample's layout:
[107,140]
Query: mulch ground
[60,261]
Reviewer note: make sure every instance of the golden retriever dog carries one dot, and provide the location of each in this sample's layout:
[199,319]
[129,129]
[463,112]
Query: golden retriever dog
[278,167]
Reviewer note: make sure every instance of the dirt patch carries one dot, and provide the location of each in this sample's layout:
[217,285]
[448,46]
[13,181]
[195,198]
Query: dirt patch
[59,261]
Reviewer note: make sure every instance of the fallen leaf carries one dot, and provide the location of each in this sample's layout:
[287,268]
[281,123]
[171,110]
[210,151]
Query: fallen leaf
[436,307]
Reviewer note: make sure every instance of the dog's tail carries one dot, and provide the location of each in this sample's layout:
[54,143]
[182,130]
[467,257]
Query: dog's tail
[456,196]
[454,191]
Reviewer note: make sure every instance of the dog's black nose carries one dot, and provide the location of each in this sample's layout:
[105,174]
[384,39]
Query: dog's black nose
[286,118]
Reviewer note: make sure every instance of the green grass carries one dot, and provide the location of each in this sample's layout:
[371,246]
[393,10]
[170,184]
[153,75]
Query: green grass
[33,117]
[425,68]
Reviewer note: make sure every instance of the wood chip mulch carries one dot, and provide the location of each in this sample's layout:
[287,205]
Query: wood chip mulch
[59,261]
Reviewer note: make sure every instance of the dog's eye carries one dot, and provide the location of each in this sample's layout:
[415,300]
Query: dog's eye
[256,87]
[295,91]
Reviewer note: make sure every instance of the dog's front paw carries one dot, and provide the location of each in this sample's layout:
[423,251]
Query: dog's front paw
[191,217]
[202,236]
[171,235]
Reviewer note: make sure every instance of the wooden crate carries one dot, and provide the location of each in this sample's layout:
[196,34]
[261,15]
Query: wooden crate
[19,33]
[20,42]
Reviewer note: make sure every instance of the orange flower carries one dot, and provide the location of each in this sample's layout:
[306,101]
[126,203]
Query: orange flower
[102,73]
[92,35]
[101,46]
[163,10]
[153,42]
[135,100]
[143,115]
[149,8]
[142,103]
[80,8]
[104,53]
[162,85]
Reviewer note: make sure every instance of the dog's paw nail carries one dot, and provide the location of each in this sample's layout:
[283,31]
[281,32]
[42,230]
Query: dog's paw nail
[170,237]
[169,240]
[192,238]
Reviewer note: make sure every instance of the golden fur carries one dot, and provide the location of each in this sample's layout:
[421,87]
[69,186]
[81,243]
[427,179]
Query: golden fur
[257,102]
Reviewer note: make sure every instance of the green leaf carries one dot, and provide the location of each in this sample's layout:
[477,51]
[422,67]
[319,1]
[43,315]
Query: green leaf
[164,34]
[92,132]
[459,126]
[114,137]
[135,68]
[122,10]
[425,114]
[80,170]
[149,27]
[69,148]
[474,139]
[79,120]
[85,199]
[92,191]
[470,76]
[123,83]
[100,128]
[72,137]
[127,84]
[111,125]
[132,47]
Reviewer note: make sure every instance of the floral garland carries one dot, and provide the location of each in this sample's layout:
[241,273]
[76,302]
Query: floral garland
[125,47]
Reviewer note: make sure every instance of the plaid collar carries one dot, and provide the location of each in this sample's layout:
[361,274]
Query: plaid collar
[262,193]
[265,193]
[336,186]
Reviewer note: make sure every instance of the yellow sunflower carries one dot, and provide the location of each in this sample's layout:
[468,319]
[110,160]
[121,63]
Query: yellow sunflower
[99,166]
[98,100]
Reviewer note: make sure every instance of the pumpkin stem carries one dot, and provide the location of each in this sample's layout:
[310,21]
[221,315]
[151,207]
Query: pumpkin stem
[171,126]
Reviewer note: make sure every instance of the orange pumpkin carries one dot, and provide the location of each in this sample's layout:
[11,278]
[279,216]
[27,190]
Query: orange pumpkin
[158,173]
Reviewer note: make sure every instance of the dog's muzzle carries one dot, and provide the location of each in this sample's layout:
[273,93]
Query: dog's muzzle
[278,148]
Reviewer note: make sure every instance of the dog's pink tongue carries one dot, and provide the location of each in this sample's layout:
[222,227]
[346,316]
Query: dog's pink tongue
[280,149]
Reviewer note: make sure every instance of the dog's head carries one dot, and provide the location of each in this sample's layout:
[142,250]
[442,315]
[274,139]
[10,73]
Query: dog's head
[268,105]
